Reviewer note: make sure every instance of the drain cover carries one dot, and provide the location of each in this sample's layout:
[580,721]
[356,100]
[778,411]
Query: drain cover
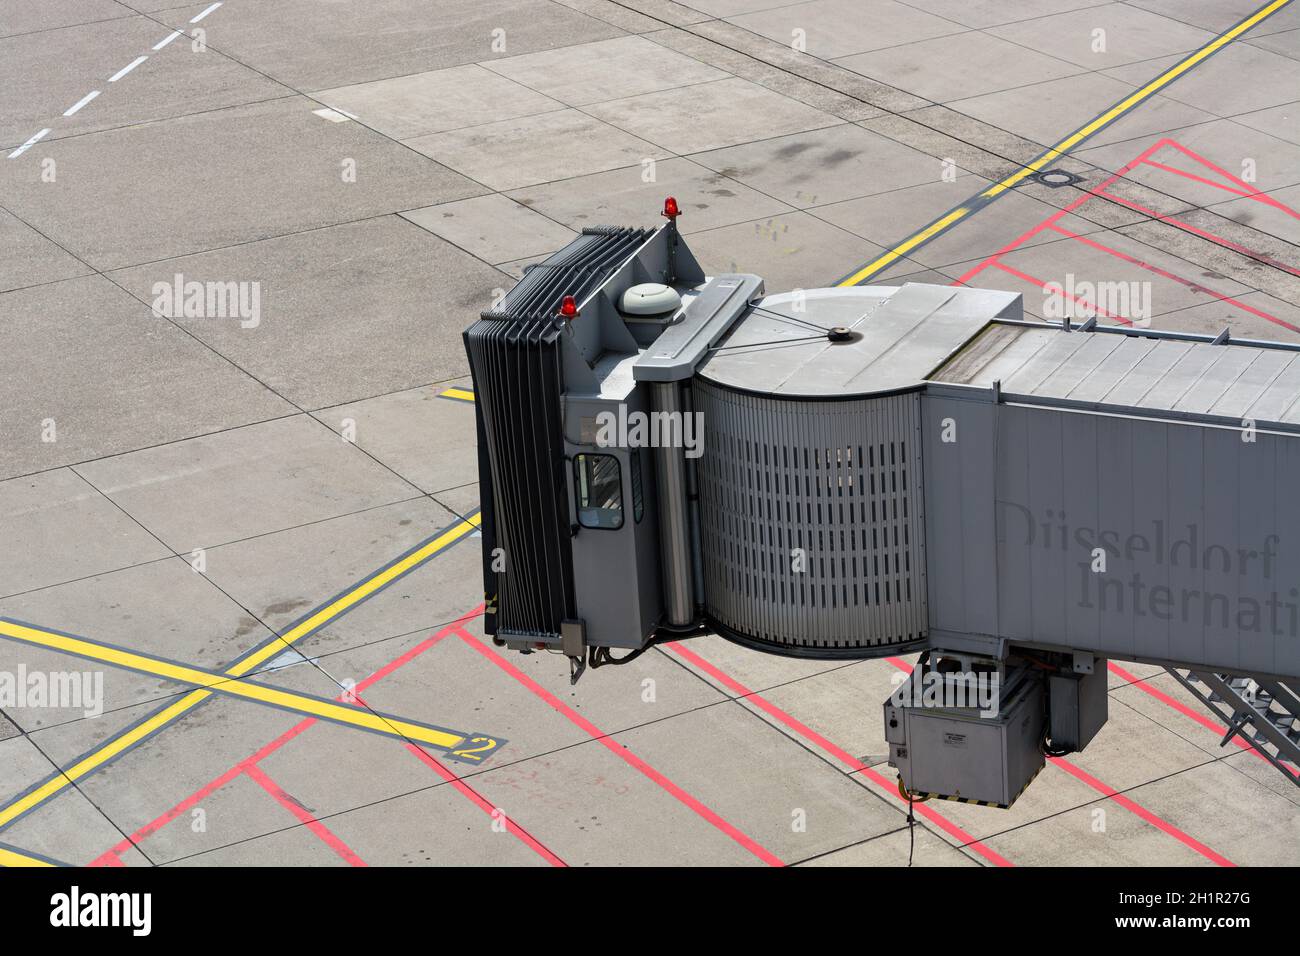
[1056,178]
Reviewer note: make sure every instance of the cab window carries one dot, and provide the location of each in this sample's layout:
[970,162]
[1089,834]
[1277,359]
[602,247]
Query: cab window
[599,487]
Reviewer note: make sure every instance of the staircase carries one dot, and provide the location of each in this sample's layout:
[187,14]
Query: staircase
[1263,713]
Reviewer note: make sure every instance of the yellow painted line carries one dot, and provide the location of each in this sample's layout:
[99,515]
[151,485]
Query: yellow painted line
[347,601]
[116,746]
[303,704]
[1134,99]
[11,857]
[464,394]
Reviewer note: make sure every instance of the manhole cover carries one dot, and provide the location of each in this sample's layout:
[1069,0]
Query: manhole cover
[1056,178]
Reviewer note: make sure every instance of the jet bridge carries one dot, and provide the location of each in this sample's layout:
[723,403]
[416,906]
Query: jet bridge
[868,471]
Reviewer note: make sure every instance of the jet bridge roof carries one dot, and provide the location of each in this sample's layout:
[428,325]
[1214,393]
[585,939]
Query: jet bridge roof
[1135,368]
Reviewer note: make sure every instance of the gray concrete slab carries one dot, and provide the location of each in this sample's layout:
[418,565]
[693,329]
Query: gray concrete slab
[49,510]
[1128,34]
[624,196]
[195,494]
[1217,15]
[280,169]
[63,408]
[50,72]
[888,218]
[826,165]
[958,66]
[1261,79]
[724,113]
[420,103]
[587,73]
[70,829]
[362,309]
[19,16]
[427,440]
[348,312]
[835,28]
[436,827]
[1282,122]
[28,258]
[788,799]
[989,13]
[164,608]
[843,705]
[1044,112]
[596,810]
[184,761]
[490,154]
[260,575]
[1286,43]
[1238,818]
[495,228]
[1099,834]
[389,38]
[789,251]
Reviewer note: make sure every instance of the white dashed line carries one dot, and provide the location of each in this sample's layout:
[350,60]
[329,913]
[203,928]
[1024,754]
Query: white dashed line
[127,69]
[334,116]
[29,144]
[81,102]
[112,79]
[206,12]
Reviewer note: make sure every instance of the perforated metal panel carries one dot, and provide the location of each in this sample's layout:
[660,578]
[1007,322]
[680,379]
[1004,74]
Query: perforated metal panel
[812,524]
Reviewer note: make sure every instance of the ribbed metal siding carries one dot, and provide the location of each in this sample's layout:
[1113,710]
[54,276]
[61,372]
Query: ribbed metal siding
[840,480]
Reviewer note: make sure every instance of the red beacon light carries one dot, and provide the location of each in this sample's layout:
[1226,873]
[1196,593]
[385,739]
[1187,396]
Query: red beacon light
[670,208]
[568,308]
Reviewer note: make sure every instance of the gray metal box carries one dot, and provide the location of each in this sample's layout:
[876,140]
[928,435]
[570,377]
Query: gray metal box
[957,754]
[1077,704]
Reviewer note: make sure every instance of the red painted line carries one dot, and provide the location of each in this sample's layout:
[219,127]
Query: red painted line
[1131,805]
[1199,179]
[623,753]
[1202,233]
[1210,725]
[326,835]
[486,806]
[1011,270]
[253,759]
[1143,812]
[838,753]
[1254,192]
[1195,286]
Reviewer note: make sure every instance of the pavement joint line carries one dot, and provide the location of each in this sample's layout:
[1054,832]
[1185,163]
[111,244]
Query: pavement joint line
[270,695]
[965,839]
[977,202]
[11,856]
[30,143]
[624,753]
[112,79]
[329,612]
[111,856]
[304,816]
